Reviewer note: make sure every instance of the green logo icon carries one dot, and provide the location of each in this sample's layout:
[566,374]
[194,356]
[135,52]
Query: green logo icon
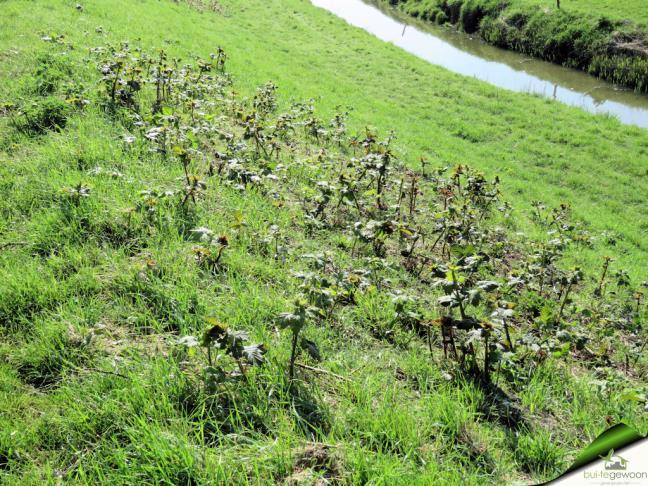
[614,462]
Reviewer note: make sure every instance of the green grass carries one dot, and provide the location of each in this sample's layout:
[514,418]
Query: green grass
[93,389]
[632,10]
[586,161]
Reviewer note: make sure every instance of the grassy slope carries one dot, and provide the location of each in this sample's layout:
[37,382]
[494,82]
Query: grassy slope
[554,153]
[632,10]
[102,428]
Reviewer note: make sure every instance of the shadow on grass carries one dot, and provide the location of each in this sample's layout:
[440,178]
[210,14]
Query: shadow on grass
[498,406]
[253,404]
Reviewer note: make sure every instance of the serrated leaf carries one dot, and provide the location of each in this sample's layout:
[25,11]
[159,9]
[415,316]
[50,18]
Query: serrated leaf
[474,297]
[189,341]
[488,285]
[447,301]
[254,353]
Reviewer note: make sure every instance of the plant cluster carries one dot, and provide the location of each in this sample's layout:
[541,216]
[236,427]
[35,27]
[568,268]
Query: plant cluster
[498,303]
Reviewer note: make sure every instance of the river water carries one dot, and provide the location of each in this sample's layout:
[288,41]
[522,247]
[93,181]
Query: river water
[471,56]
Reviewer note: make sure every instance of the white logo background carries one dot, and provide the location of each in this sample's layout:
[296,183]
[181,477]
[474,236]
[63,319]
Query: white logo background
[635,473]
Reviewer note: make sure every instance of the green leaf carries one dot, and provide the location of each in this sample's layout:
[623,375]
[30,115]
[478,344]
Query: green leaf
[462,251]
[488,285]
[254,353]
[474,297]
[447,301]
[189,341]
[293,321]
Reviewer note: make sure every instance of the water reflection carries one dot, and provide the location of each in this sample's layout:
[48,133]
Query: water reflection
[506,69]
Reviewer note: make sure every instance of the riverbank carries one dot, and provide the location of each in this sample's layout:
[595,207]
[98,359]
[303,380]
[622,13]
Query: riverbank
[168,171]
[608,48]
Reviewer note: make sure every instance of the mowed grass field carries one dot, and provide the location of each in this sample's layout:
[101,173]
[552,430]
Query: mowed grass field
[95,390]
[632,10]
